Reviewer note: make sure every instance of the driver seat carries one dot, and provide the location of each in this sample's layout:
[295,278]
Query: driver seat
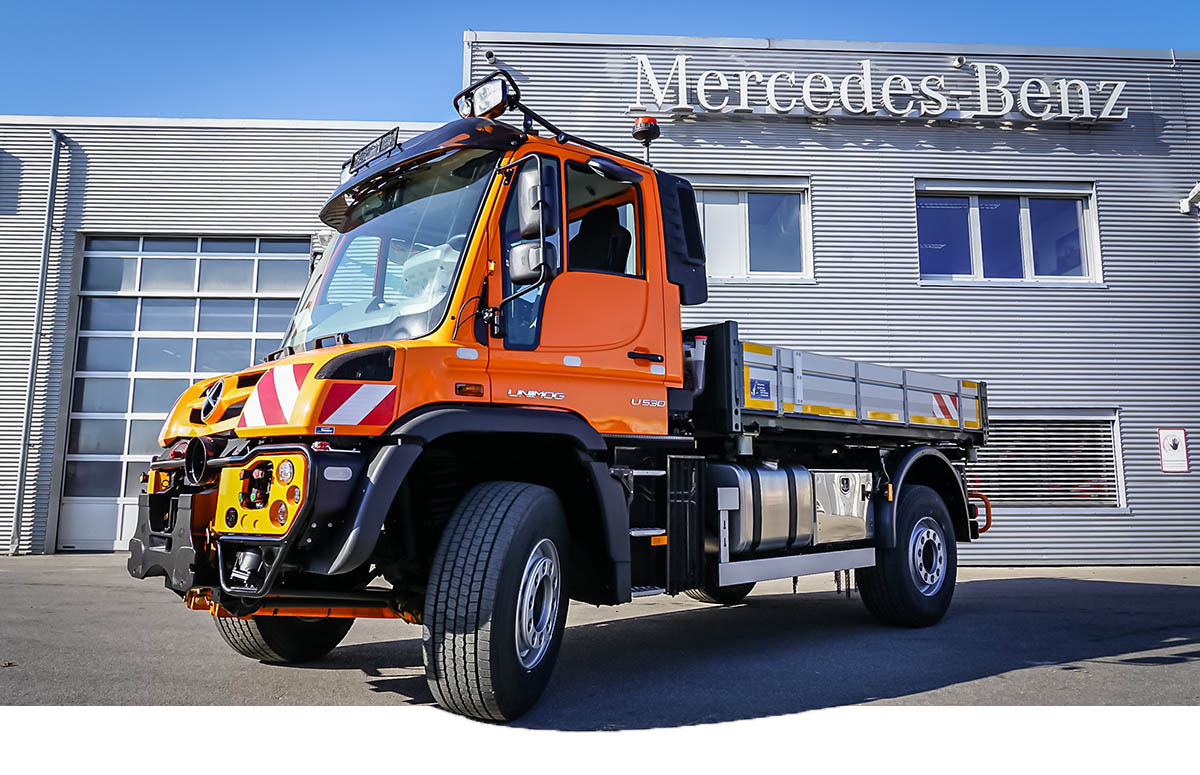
[602,244]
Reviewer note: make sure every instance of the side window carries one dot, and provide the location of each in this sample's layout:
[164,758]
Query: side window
[603,229]
[522,316]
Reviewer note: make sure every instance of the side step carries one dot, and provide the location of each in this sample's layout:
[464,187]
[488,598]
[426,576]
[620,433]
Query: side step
[745,571]
[648,591]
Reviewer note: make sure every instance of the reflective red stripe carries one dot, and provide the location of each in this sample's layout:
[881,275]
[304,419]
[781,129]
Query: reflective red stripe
[268,398]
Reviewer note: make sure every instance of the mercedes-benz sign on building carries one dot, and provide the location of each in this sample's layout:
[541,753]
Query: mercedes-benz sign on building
[1026,215]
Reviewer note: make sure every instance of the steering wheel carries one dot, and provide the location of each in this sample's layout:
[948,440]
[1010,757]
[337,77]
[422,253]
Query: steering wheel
[457,242]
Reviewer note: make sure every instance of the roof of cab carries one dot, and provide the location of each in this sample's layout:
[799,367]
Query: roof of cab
[463,133]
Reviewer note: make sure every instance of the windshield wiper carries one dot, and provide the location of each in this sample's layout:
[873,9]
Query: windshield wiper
[339,338]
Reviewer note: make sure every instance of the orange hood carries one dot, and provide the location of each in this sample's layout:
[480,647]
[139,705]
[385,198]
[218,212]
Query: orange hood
[288,398]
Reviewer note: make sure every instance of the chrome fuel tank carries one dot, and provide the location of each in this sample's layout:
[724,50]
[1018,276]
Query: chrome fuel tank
[776,508]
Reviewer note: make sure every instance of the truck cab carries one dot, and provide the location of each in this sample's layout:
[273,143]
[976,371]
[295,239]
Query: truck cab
[486,405]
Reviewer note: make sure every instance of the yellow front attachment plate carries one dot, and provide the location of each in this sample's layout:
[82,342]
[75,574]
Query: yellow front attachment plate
[259,521]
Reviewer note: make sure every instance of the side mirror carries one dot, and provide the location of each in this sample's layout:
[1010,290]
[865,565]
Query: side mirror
[533,211]
[526,261]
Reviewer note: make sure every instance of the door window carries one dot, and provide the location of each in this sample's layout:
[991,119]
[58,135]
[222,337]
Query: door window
[603,227]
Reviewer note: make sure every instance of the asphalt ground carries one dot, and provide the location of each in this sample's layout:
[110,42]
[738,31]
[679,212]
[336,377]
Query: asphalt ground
[76,630]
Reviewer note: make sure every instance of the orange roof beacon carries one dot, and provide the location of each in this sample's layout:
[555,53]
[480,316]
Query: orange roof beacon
[485,406]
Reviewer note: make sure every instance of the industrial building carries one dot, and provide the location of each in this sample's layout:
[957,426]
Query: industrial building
[1023,216]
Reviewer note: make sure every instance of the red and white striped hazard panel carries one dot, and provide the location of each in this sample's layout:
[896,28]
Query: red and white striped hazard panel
[945,406]
[274,396]
[349,404]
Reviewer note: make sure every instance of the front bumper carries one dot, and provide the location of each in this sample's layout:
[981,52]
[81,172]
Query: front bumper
[175,536]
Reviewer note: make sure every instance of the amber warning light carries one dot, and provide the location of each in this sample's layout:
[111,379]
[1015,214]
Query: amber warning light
[646,131]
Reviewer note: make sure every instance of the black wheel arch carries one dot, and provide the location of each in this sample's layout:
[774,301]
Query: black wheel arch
[930,467]
[512,438]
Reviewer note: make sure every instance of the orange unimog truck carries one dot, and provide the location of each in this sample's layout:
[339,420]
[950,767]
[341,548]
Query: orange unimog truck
[486,406]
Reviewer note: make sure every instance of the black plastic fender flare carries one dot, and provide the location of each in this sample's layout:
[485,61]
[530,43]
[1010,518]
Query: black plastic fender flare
[391,463]
[885,515]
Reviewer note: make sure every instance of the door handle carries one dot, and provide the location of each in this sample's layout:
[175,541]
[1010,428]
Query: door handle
[652,357]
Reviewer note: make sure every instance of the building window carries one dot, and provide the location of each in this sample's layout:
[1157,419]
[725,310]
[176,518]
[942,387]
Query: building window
[155,315]
[755,228]
[1005,232]
[1051,459]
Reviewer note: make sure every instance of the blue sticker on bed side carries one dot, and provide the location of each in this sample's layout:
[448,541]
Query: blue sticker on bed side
[760,389]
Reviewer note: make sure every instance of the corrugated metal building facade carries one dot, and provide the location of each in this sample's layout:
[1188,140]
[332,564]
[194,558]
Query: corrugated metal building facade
[1089,335]
[1117,350]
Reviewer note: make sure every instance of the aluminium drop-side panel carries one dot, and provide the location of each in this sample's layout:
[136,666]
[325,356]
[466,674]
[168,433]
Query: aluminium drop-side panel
[1130,342]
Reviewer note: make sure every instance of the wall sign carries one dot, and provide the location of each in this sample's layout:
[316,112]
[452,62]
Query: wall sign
[1172,450]
[980,90]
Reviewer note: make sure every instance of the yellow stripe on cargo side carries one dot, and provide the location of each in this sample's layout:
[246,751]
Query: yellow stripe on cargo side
[884,416]
[761,349]
[972,385]
[829,411]
[935,421]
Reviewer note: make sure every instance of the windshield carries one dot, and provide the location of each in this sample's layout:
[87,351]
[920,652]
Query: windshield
[389,276]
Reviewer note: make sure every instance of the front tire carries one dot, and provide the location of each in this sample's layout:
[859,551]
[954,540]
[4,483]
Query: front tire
[911,584]
[282,639]
[497,601]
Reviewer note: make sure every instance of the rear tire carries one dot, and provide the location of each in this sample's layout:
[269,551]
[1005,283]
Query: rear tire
[282,639]
[911,584]
[497,601]
[721,595]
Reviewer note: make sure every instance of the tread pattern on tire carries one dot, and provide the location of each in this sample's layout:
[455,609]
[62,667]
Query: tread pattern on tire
[466,570]
[248,638]
[705,596]
[244,637]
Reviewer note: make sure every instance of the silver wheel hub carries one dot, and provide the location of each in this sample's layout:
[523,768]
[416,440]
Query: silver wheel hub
[927,556]
[537,603]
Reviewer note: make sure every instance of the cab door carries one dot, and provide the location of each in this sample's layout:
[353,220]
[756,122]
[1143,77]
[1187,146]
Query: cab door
[591,339]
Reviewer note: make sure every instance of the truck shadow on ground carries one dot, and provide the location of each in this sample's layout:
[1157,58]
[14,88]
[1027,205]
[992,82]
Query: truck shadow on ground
[780,654]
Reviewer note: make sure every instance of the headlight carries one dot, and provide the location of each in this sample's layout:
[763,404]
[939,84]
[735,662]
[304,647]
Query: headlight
[286,471]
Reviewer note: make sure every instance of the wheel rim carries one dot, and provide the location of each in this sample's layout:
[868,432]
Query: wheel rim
[537,603]
[927,556]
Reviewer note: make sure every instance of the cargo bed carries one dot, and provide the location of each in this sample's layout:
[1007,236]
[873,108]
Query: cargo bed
[750,386]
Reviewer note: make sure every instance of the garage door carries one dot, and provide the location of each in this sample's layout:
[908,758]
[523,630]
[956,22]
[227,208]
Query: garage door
[155,315]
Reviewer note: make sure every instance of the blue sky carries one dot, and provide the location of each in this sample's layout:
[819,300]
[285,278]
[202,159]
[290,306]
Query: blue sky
[402,61]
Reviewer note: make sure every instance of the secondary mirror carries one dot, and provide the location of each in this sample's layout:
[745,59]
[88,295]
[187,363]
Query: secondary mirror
[526,261]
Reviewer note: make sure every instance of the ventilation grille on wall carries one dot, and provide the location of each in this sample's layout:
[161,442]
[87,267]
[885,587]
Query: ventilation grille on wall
[1048,464]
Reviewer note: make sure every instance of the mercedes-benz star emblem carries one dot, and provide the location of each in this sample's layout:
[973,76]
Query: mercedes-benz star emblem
[212,397]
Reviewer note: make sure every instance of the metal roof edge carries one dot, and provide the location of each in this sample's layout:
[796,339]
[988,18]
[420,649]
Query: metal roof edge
[210,123]
[495,36]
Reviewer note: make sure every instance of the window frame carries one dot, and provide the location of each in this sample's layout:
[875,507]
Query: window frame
[1082,192]
[745,185]
[1097,413]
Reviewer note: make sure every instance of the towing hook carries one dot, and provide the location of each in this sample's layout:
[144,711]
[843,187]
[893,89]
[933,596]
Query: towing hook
[247,562]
